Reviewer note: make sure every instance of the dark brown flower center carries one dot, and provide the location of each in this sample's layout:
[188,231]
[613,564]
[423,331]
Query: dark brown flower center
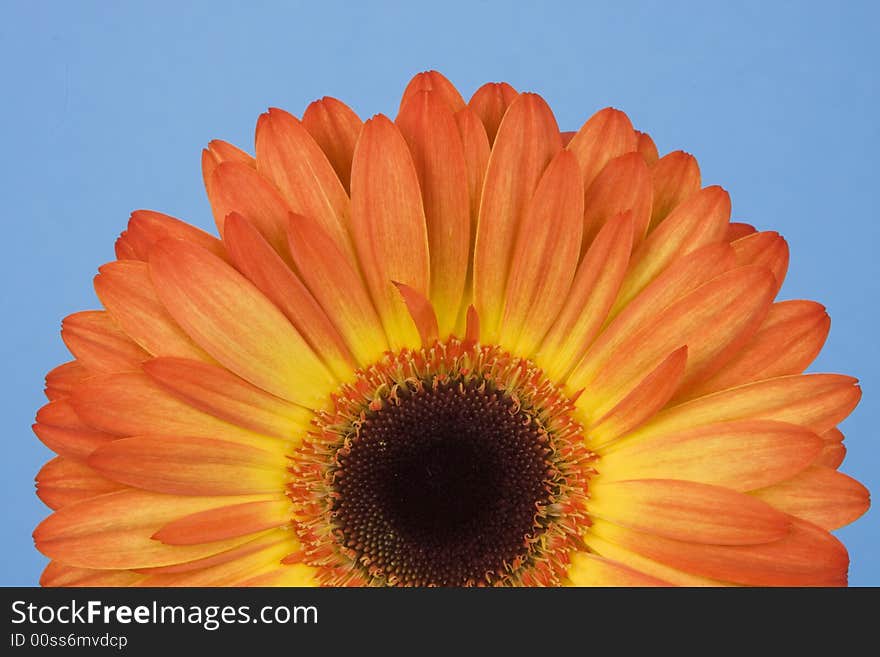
[443,487]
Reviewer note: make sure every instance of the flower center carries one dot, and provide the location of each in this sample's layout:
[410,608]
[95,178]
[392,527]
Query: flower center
[443,467]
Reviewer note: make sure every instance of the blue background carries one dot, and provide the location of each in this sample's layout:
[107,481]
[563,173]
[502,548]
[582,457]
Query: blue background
[106,106]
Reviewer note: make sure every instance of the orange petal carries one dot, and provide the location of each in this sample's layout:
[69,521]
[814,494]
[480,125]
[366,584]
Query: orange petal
[146,227]
[222,151]
[687,511]
[643,401]
[472,330]
[59,574]
[430,130]
[338,287]
[218,391]
[527,140]
[209,299]
[237,187]
[132,404]
[820,495]
[388,224]
[683,277]
[254,258]
[115,530]
[736,230]
[605,135]
[127,291]
[806,556]
[63,481]
[545,256]
[647,148]
[98,343]
[252,560]
[766,248]
[788,340]
[226,522]
[624,184]
[490,103]
[699,221]
[64,432]
[586,306]
[62,379]
[335,128]
[436,82]
[241,552]
[713,321]
[476,155]
[639,563]
[422,312]
[289,157]
[592,570]
[187,465]
[831,456]
[815,401]
[741,455]
[676,178]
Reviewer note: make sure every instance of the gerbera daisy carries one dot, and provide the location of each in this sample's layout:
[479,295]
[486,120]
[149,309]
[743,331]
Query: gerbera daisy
[456,348]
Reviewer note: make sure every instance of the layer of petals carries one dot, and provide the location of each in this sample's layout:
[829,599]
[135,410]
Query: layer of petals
[806,556]
[815,401]
[767,248]
[699,221]
[545,257]
[436,82]
[676,178]
[62,379]
[388,224]
[188,465]
[430,130]
[254,257]
[687,511]
[127,291]
[623,185]
[490,103]
[605,135]
[222,394]
[592,293]
[60,429]
[146,228]
[820,495]
[210,300]
[132,404]
[741,455]
[713,321]
[226,522]
[338,287]
[64,481]
[527,140]
[592,570]
[115,530]
[789,338]
[289,157]
[647,148]
[335,128]
[650,395]
[99,344]
[59,574]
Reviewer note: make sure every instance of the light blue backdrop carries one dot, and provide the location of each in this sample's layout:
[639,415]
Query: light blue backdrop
[105,107]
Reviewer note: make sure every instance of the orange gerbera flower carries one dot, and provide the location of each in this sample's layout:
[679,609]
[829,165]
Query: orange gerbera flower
[456,348]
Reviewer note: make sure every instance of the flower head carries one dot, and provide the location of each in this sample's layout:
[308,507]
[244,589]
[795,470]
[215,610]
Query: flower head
[457,348]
